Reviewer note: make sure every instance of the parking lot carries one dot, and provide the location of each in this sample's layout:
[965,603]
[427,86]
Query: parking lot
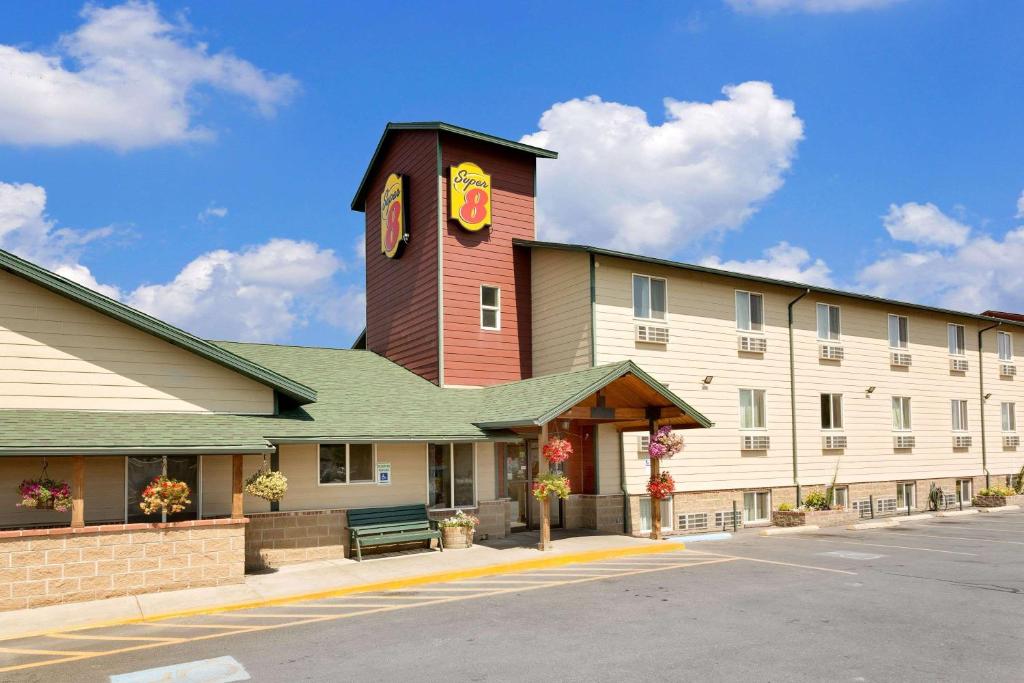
[936,599]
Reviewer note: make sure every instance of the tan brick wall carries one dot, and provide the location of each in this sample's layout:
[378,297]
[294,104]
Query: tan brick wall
[600,512]
[275,539]
[495,518]
[51,566]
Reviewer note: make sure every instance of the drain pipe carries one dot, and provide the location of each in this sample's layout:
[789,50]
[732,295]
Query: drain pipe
[792,395]
[627,527]
[981,396]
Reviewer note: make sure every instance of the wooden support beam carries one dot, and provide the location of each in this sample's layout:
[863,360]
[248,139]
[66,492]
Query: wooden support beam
[77,491]
[236,487]
[545,505]
[655,473]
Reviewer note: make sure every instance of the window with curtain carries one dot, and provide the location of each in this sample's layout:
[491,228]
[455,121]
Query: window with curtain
[956,339]
[749,312]
[959,410]
[346,463]
[1009,413]
[1004,343]
[752,409]
[901,413]
[831,411]
[450,475]
[828,322]
[650,297]
[899,331]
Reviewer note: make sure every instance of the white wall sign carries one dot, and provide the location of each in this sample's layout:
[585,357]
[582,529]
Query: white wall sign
[384,473]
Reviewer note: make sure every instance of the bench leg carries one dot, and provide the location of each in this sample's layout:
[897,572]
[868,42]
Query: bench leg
[440,543]
[359,551]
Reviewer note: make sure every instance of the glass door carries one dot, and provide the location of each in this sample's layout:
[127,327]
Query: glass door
[555,503]
[517,484]
[141,470]
[645,515]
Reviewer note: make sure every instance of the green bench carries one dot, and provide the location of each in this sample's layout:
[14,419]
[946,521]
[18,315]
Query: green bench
[384,526]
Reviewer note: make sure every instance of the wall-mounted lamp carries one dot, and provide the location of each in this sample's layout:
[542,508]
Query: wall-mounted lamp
[871,389]
[988,396]
[566,424]
[709,379]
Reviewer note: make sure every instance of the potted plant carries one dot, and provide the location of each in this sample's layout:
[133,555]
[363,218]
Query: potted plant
[457,530]
[267,484]
[45,494]
[164,494]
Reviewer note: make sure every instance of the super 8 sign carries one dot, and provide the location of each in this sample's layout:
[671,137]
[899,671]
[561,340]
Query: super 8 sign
[469,189]
[394,231]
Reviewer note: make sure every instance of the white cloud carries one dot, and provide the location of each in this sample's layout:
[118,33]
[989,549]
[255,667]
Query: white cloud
[622,182]
[924,224]
[809,6]
[1020,205]
[212,212]
[125,78]
[783,262]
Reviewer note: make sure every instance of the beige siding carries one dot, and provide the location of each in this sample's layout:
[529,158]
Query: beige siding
[560,291]
[57,354]
[486,474]
[104,490]
[703,342]
[608,464]
[216,485]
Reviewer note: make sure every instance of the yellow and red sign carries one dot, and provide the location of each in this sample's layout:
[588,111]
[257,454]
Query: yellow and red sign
[469,191]
[394,230]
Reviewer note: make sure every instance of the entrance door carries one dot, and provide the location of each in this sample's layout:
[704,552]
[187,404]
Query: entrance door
[142,470]
[555,503]
[520,466]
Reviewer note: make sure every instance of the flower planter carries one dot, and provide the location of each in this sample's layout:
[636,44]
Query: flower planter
[997,501]
[456,537]
[821,518]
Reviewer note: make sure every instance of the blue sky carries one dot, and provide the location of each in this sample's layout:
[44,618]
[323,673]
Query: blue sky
[197,160]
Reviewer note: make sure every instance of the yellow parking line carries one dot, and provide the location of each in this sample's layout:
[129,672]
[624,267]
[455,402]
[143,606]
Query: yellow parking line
[487,582]
[281,615]
[33,651]
[783,564]
[82,636]
[167,624]
[442,589]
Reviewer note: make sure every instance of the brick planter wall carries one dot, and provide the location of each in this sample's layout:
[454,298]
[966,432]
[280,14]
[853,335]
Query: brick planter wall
[275,539]
[822,518]
[51,566]
[997,501]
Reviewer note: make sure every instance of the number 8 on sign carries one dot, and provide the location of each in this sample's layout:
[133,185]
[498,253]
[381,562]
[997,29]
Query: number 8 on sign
[469,191]
[394,230]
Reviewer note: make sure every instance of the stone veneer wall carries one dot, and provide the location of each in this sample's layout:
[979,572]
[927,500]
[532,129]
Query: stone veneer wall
[275,539]
[50,566]
[599,512]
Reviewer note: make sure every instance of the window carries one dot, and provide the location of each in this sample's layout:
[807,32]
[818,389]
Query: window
[756,506]
[346,463]
[649,297]
[1009,412]
[905,494]
[899,331]
[1004,342]
[959,415]
[749,312]
[451,478]
[841,496]
[490,307]
[956,339]
[645,514]
[831,411]
[901,413]
[752,409]
[964,491]
[828,322]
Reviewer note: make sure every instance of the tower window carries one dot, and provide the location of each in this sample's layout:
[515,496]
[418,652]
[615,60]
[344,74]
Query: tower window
[490,307]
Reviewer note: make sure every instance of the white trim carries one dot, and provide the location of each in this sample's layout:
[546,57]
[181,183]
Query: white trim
[764,393]
[768,508]
[632,298]
[496,309]
[842,411]
[955,405]
[348,464]
[905,428]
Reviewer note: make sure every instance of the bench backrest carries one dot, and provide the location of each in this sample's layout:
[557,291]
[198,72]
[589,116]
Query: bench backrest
[397,514]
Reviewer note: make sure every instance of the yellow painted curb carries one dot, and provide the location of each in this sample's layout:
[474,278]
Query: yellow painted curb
[437,577]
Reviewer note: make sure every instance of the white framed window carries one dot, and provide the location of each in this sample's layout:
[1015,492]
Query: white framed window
[752,409]
[906,494]
[899,331]
[956,336]
[965,491]
[347,463]
[959,413]
[829,326]
[490,307]
[650,297]
[901,413]
[831,411]
[841,496]
[757,506]
[645,514]
[451,475]
[1004,343]
[749,311]
[1009,414]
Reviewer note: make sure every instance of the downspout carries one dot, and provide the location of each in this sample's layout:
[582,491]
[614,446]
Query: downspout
[627,527]
[981,396]
[792,395]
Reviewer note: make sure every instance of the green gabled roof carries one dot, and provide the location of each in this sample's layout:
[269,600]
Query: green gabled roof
[147,323]
[77,432]
[539,400]
[357,199]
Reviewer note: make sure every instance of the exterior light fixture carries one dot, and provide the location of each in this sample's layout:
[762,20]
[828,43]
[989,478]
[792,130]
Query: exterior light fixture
[708,379]
[988,396]
[871,389]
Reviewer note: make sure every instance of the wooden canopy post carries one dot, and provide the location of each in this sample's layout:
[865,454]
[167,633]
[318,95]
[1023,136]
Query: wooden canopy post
[545,505]
[236,487]
[655,473]
[77,491]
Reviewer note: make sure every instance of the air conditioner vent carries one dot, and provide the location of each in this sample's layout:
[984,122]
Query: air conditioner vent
[833,441]
[1011,441]
[693,521]
[958,364]
[755,442]
[899,359]
[642,452]
[903,441]
[750,344]
[830,352]
[1007,370]
[652,334]
[960,441]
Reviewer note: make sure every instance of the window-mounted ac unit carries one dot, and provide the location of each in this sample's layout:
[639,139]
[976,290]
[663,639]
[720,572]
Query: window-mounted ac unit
[652,334]
[903,441]
[1011,441]
[899,359]
[830,352]
[1007,370]
[750,344]
[958,364]
[961,441]
[833,441]
[642,448]
[755,442]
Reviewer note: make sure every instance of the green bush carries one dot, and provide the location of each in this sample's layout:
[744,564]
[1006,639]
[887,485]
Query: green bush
[997,491]
[816,500]
[785,507]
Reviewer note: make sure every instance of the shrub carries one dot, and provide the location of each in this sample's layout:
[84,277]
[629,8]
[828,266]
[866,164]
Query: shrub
[785,507]
[996,491]
[816,500]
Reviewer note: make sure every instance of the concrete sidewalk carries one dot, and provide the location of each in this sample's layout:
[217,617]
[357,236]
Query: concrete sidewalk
[324,576]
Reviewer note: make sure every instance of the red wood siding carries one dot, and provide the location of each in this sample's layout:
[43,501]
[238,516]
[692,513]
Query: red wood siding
[401,294]
[474,356]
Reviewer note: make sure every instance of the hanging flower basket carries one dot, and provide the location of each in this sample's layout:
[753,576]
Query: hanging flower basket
[267,484]
[165,494]
[551,483]
[662,487]
[557,450]
[664,443]
[45,494]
